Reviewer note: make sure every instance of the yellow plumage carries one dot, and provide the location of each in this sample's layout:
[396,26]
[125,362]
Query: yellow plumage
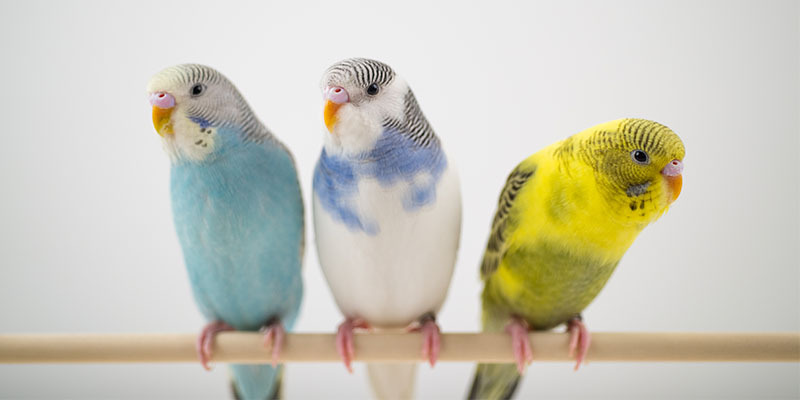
[565,218]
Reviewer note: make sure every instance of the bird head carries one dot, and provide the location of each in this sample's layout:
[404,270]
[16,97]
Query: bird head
[190,103]
[362,97]
[638,166]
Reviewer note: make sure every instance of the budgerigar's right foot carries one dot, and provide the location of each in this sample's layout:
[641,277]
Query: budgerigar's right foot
[520,343]
[273,336]
[205,341]
[431,337]
[344,340]
[579,340]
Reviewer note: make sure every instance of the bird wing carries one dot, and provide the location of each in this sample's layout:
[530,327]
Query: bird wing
[496,247]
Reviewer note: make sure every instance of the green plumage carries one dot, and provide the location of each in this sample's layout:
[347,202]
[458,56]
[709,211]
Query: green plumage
[558,286]
[558,289]
[563,222]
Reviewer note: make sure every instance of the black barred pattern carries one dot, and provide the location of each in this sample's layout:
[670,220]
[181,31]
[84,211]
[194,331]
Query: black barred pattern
[494,248]
[362,71]
[194,73]
[208,110]
[609,154]
[414,123]
[633,134]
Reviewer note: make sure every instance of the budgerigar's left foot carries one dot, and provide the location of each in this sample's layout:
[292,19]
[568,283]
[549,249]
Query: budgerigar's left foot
[579,339]
[431,338]
[206,339]
[273,335]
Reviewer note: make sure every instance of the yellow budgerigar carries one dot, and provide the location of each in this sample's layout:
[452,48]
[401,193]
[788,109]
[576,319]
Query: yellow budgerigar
[565,217]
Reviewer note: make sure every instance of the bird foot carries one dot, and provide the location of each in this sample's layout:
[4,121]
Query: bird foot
[579,339]
[273,336]
[205,341]
[344,340]
[520,343]
[431,338]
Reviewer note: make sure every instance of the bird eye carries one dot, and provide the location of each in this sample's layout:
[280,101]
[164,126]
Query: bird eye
[640,157]
[373,89]
[197,89]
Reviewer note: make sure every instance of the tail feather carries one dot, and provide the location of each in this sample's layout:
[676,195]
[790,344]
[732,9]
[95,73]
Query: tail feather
[392,381]
[256,382]
[494,381]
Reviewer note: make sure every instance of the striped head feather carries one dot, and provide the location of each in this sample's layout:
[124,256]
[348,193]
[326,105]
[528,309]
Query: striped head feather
[637,165]
[365,98]
[191,103]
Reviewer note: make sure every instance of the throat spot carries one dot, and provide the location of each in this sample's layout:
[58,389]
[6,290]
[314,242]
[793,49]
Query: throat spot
[637,190]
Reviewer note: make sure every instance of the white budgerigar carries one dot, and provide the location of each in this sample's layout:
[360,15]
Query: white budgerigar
[387,213]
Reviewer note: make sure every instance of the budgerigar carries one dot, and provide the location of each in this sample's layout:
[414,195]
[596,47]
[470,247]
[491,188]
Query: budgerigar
[564,220]
[387,212]
[238,213]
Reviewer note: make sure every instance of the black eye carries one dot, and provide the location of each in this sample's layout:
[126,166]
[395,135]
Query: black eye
[373,89]
[197,89]
[640,157]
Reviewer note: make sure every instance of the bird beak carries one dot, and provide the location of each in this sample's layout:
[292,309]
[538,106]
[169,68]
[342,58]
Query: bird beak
[330,114]
[163,103]
[335,98]
[672,173]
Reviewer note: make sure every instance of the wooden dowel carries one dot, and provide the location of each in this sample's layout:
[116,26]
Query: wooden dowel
[246,347]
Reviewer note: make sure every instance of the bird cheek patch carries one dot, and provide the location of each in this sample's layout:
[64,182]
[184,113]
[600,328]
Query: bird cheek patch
[206,137]
[637,190]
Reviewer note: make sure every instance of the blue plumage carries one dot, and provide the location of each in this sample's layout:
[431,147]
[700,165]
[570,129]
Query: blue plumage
[395,157]
[238,213]
[239,219]
[202,122]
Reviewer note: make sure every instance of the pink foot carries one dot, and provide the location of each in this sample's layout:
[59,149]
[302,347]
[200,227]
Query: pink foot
[206,339]
[431,338]
[273,336]
[579,338]
[520,343]
[431,341]
[344,340]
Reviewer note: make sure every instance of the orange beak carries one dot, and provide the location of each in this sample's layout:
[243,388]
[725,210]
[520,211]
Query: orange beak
[675,183]
[331,109]
[161,120]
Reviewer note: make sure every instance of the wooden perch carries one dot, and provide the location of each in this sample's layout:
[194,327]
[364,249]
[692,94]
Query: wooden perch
[246,347]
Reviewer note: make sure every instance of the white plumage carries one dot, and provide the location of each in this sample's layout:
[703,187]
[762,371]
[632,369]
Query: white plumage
[393,278]
[387,213]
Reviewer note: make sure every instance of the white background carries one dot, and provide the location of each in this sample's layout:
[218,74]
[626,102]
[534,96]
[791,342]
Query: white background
[87,243]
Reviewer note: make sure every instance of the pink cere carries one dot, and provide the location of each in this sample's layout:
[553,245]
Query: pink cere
[337,94]
[674,168]
[162,100]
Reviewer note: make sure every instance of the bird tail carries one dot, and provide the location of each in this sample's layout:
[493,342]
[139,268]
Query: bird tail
[392,381]
[494,381]
[256,382]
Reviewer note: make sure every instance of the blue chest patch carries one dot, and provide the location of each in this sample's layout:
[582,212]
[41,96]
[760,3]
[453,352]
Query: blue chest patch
[200,121]
[394,159]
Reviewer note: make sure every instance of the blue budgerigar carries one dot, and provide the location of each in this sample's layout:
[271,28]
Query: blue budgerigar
[387,213]
[238,213]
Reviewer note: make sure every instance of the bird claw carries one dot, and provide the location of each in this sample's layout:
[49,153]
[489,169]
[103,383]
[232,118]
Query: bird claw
[579,339]
[205,341]
[520,343]
[273,336]
[344,340]
[431,339]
